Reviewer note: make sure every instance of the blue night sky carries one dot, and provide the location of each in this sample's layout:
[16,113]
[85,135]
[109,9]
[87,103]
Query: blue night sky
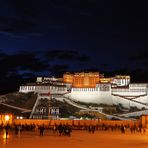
[50,37]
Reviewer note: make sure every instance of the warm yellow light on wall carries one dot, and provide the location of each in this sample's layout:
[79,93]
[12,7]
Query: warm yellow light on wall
[7,117]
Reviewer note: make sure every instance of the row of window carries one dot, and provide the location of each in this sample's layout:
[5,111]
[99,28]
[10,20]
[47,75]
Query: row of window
[34,88]
[82,81]
[84,89]
[128,90]
[54,112]
[41,111]
[104,88]
[138,85]
[44,117]
[44,110]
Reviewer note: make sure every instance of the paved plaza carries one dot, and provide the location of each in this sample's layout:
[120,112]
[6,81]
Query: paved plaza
[78,139]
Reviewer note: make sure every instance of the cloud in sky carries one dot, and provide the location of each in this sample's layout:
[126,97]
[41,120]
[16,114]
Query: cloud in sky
[67,55]
[19,67]
[35,62]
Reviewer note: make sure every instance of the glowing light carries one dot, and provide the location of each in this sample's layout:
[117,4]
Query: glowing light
[4,136]
[21,117]
[7,118]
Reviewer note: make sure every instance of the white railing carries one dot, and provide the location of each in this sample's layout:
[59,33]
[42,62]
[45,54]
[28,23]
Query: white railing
[138,85]
[128,90]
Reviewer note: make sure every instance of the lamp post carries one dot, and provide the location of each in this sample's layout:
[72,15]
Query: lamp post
[7,118]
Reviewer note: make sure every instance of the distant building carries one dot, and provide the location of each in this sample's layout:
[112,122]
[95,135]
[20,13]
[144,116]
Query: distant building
[92,87]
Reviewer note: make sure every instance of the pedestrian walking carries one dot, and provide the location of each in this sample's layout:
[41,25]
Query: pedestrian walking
[6,130]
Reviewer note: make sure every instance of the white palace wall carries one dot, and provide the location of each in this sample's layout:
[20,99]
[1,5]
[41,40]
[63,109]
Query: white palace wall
[42,88]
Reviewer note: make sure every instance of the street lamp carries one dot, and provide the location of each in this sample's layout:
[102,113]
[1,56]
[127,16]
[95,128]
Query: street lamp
[7,117]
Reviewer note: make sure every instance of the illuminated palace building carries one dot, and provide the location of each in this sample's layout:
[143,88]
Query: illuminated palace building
[92,87]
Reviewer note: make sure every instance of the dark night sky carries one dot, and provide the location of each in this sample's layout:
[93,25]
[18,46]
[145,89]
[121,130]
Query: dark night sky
[49,37]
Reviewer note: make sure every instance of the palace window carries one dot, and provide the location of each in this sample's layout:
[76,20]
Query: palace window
[104,88]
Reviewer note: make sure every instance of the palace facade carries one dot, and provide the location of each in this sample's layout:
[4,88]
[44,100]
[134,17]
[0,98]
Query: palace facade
[92,87]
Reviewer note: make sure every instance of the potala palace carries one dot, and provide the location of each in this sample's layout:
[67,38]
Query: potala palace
[91,87]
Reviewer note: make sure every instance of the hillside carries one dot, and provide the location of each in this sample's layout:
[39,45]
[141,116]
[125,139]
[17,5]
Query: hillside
[21,100]
[27,101]
[16,103]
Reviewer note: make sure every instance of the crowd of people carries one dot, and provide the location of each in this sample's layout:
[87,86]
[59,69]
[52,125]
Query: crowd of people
[62,129]
[65,129]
